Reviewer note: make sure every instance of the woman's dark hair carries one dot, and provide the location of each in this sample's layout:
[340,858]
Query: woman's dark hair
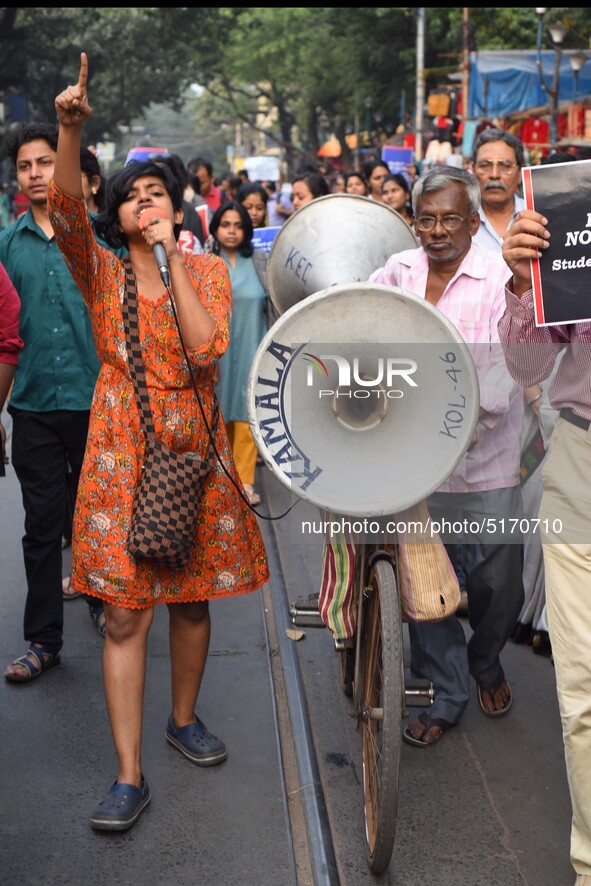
[400,180]
[234,182]
[369,167]
[194,182]
[248,188]
[175,164]
[315,182]
[358,175]
[118,186]
[246,249]
[90,167]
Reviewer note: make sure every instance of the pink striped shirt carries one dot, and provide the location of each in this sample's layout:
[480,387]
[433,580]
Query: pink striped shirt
[474,300]
[532,363]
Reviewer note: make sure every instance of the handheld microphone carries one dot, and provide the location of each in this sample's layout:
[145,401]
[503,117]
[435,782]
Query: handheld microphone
[159,250]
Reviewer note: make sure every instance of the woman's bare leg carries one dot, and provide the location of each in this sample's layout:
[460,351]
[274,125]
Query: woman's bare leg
[124,673]
[189,632]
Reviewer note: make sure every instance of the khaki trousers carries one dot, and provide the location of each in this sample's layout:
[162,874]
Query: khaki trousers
[565,515]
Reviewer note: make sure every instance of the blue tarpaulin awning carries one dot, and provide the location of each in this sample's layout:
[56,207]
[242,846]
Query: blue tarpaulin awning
[505,82]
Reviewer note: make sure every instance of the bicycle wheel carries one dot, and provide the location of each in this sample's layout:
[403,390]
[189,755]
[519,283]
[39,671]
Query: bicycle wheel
[347,670]
[382,694]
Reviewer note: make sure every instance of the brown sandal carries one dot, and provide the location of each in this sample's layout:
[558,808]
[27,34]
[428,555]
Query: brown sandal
[428,723]
[496,712]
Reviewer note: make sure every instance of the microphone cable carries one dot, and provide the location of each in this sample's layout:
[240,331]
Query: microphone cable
[206,423]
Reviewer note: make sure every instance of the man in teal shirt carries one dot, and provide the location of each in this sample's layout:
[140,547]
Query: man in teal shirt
[51,396]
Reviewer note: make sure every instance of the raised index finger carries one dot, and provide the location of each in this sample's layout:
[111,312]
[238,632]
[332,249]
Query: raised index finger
[83,75]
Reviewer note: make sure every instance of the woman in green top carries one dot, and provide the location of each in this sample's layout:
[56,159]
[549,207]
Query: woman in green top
[231,229]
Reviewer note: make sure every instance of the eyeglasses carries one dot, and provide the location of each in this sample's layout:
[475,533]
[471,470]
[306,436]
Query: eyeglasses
[506,167]
[427,223]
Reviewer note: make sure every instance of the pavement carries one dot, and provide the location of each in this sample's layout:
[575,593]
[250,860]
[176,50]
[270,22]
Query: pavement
[222,825]
[486,806]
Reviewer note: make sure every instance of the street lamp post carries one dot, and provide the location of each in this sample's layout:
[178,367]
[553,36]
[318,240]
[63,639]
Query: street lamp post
[420,91]
[577,60]
[540,12]
[368,102]
[558,32]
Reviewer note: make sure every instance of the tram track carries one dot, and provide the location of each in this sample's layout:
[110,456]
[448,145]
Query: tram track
[312,846]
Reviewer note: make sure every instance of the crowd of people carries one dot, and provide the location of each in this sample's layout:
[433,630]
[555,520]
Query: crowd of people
[76,438]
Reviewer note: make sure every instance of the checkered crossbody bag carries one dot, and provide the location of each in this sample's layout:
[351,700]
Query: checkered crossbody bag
[164,519]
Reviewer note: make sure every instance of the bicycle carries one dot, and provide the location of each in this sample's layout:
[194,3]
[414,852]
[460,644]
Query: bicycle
[308,403]
[372,674]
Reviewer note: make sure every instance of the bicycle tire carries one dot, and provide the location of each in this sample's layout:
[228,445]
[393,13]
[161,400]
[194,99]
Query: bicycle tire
[382,694]
[347,670]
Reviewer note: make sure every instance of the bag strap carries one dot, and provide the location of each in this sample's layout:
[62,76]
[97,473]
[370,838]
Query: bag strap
[138,377]
[136,363]
[134,350]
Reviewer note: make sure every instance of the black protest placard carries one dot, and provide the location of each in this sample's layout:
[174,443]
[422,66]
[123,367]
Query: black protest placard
[562,276]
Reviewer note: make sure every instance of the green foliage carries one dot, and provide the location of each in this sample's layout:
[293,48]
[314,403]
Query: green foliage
[322,70]
[136,56]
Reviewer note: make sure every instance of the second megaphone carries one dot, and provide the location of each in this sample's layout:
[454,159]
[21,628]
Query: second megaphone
[340,238]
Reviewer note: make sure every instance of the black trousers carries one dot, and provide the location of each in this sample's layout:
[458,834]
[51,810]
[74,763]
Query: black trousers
[43,444]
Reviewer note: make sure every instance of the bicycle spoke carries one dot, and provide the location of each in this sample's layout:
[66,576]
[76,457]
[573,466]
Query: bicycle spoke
[382,693]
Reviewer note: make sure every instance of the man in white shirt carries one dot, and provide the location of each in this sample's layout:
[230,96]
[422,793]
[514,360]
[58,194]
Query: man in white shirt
[497,158]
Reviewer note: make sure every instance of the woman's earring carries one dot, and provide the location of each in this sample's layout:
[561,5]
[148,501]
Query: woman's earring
[94,190]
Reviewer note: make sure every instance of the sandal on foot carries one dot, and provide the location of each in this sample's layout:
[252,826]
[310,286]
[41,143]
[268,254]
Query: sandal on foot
[99,620]
[68,591]
[251,494]
[36,661]
[428,723]
[498,712]
[121,808]
[196,743]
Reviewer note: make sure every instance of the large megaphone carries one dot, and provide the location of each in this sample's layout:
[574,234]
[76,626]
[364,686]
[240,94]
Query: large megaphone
[340,238]
[362,399]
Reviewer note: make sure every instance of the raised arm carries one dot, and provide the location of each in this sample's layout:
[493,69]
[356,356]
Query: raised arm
[72,110]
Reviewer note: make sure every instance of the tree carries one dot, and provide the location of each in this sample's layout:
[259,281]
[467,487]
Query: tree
[136,57]
[314,67]
[316,63]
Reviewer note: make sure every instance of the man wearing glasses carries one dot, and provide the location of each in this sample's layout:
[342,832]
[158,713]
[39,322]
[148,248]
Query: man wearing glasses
[497,158]
[467,283]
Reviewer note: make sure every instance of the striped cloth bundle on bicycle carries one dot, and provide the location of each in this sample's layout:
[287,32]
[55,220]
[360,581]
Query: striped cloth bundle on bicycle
[429,589]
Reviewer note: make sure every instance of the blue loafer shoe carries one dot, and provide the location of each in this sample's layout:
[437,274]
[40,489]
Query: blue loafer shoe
[196,743]
[121,808]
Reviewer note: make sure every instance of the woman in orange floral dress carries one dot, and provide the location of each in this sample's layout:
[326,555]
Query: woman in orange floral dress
[228,556]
